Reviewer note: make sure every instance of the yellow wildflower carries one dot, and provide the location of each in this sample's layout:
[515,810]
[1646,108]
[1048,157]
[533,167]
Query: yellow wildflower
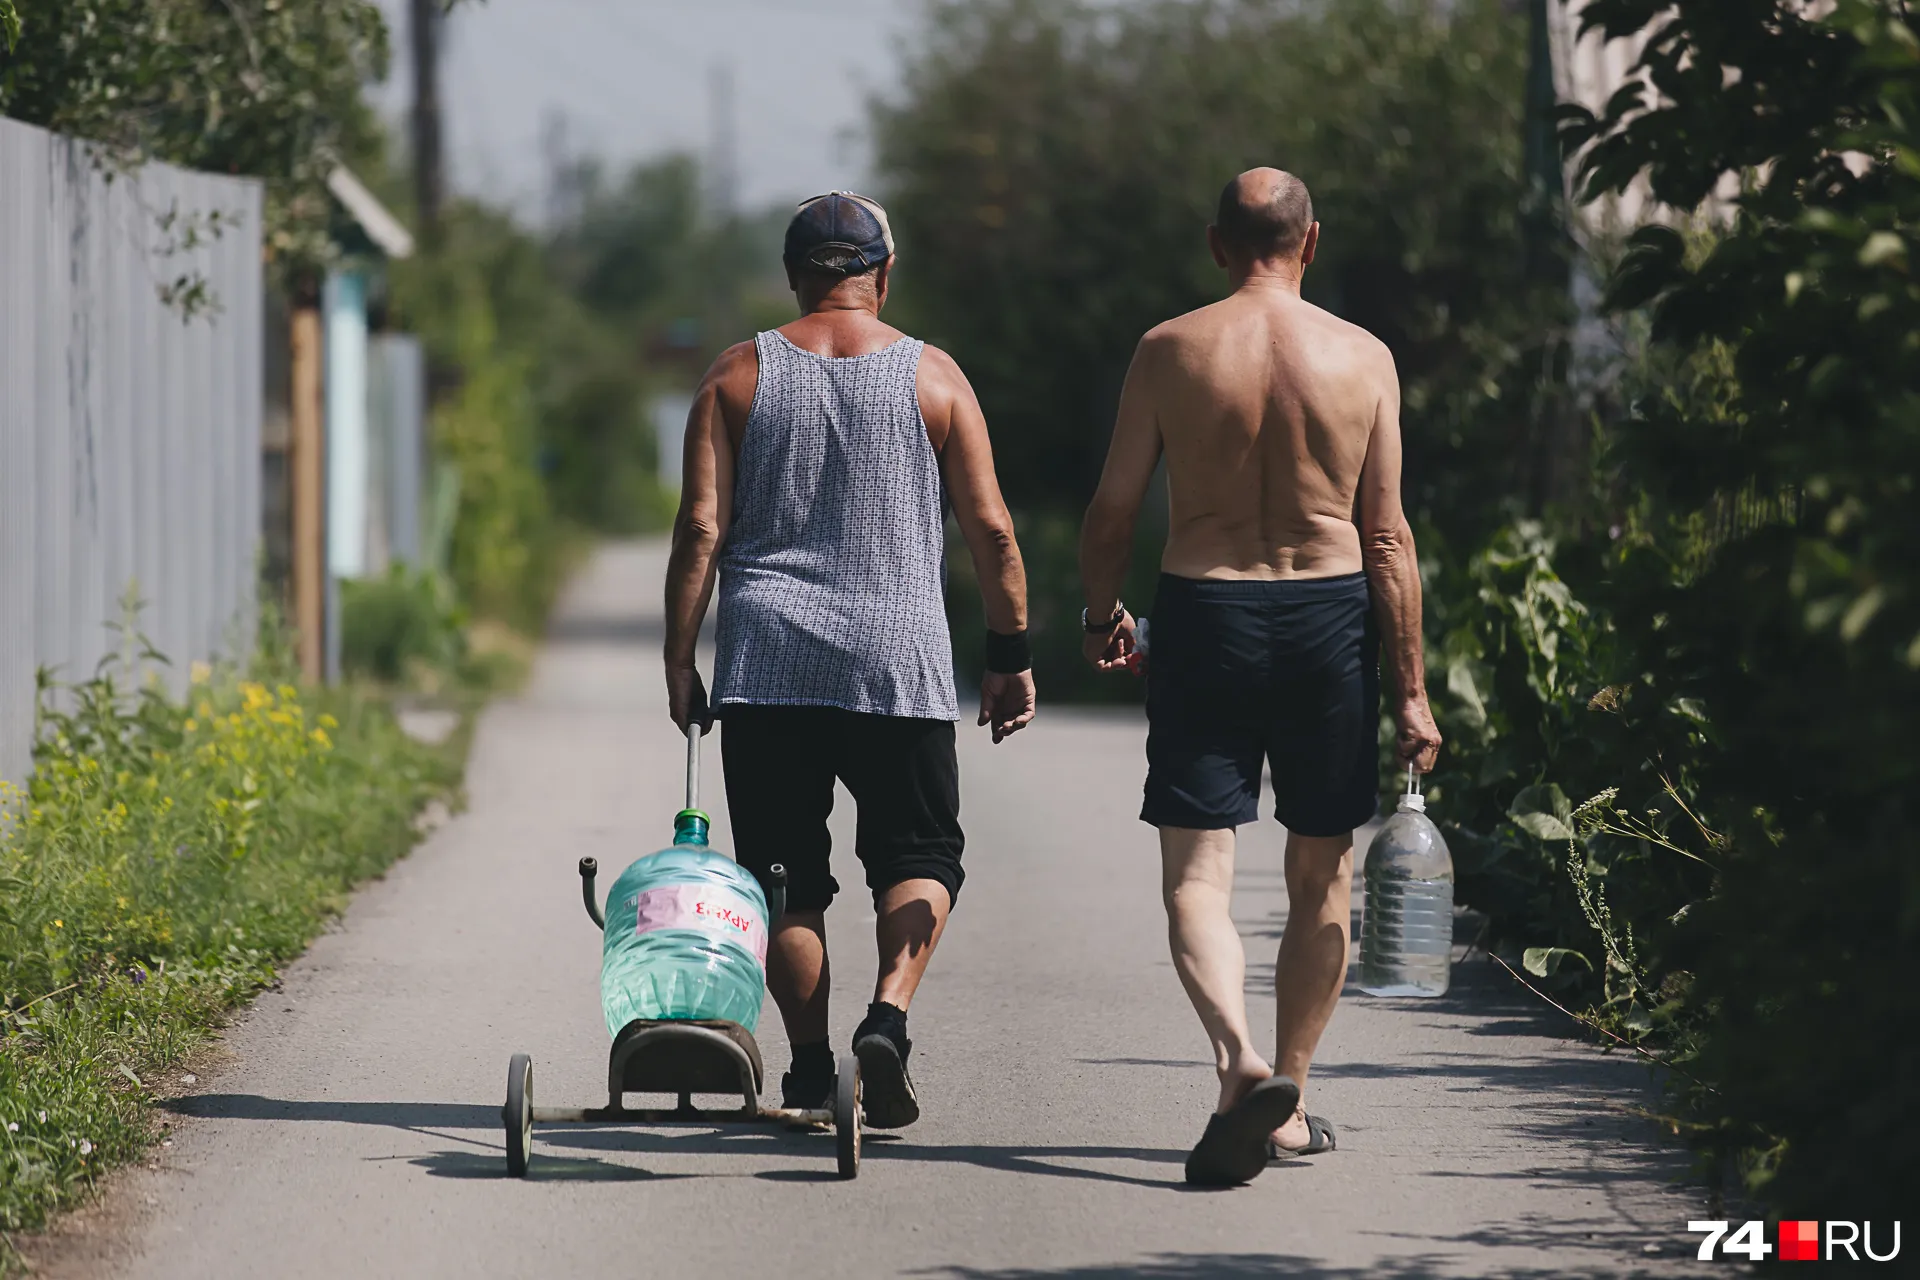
[199,673]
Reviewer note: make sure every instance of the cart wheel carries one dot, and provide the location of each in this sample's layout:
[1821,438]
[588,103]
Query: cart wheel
[517,1115]
[846,1114]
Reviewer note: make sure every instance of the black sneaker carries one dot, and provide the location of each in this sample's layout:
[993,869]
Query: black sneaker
[809,1086]
[881,1045]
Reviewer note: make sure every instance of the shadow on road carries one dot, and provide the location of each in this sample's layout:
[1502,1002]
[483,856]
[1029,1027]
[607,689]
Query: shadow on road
[1236,1266]
[1036,1160]
[432,1118]
[544,1168]
[391,1115]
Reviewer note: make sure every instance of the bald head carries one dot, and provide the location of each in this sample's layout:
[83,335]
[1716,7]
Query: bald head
[1264,213]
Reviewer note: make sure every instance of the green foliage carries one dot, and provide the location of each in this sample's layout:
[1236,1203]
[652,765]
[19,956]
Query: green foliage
[1742,884]
[256,87]
[658,286]
[478,300]
[164,858]
[1051,169]
[550,349]
[391,626]
[1528,691]
[1798,637]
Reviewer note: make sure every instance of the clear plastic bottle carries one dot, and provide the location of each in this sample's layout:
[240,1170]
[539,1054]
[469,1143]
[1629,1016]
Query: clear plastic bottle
[686,936]
[1406,938]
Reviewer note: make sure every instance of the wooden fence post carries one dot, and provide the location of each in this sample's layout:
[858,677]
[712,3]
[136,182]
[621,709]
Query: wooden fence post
[309,492]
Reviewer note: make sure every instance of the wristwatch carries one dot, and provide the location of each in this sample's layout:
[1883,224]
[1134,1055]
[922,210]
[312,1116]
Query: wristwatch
[1101,628]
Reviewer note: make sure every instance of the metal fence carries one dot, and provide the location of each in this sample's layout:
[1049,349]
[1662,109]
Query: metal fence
[129,426]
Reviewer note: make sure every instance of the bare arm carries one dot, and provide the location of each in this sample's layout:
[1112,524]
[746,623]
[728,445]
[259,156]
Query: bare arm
[1106,536]
[700,527]
[966,464]
[959,431]
[1393,573]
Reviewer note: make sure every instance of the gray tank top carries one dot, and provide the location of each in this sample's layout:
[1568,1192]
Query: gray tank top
[831,581]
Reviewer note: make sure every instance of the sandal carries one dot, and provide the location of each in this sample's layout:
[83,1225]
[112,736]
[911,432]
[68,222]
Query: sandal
[1236,1144]
[1320,1140]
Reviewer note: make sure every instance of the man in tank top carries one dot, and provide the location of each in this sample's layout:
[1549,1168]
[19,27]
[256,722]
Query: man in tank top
[820,461]
[1288,563]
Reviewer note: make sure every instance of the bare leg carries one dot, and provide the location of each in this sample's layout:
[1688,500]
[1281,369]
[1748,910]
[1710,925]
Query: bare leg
[797,974]
[910,917]
[1196,883]
[1313,957]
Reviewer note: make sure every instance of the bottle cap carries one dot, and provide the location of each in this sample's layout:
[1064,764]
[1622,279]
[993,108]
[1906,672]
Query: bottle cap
[1412,801]
[690,827]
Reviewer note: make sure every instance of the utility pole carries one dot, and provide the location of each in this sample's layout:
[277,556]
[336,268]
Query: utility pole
[429,176]
[722,198]
[1559,441]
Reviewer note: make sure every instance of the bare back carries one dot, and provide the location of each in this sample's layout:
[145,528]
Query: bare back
[1264,408]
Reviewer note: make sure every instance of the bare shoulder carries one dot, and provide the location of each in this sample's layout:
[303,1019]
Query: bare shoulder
[1361,342]
[733,376]
[1197,325]
[940,377]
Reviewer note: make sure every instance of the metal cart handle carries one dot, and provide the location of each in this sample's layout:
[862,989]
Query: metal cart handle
[693,763]
[588,869]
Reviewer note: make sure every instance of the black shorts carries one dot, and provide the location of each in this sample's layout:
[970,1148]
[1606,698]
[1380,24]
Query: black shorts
[780,765]
[1287,672]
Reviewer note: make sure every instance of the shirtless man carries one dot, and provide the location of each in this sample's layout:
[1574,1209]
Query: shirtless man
[1288,561]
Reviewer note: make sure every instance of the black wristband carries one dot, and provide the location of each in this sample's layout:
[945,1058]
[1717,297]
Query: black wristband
[1008,655]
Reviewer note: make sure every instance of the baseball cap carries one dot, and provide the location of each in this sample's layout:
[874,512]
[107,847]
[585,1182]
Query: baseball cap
[839,232]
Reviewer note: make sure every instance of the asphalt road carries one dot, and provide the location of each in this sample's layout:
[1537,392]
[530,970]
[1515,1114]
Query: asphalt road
[355,1131]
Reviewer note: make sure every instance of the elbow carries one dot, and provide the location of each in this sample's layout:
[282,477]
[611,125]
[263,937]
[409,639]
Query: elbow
[1385,552]
[697,529]
[994,542]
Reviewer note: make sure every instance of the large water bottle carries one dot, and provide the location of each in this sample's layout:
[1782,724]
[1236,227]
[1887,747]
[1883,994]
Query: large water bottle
[1406,939]
[686,932]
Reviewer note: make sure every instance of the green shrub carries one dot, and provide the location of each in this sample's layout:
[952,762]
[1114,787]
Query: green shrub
[387,625]
[164,857]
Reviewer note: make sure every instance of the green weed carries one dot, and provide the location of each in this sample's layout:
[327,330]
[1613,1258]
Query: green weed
[166,856]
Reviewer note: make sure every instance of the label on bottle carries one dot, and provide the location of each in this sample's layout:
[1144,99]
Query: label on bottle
[712,908]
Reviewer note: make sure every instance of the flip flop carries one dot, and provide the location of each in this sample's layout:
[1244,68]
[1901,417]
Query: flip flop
[1320,1140]
[1235,1147]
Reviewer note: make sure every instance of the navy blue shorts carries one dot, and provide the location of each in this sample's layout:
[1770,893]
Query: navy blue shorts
[1241,673]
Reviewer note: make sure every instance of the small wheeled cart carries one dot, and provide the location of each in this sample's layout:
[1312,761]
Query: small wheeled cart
[682,1058]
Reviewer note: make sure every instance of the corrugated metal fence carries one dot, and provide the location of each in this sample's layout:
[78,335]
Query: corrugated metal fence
[129,433]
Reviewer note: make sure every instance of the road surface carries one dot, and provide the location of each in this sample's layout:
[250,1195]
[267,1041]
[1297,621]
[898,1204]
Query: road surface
[355,1131]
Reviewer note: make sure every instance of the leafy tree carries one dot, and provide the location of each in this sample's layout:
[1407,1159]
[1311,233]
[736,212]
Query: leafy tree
[1766,586]
[264,88]
[1051,168]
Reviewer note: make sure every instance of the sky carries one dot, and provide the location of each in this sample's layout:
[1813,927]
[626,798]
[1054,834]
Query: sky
[634,78]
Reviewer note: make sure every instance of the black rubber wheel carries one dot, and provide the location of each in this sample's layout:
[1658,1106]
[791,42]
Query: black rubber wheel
[846,1114]
[517,1115]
